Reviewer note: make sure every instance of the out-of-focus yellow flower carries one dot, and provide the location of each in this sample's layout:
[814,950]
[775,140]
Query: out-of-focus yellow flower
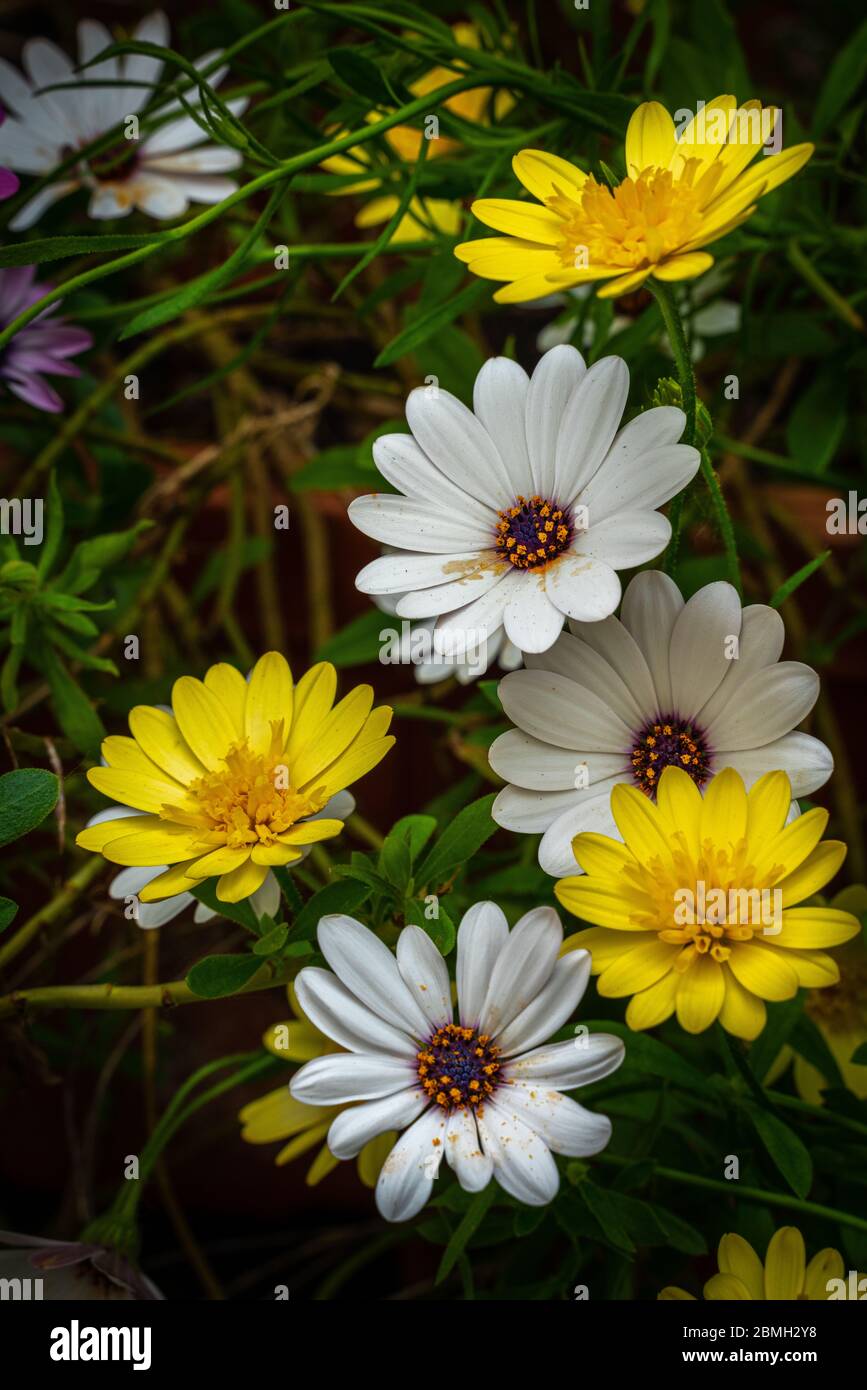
[422,214]
[697,911]
[839,1012]
[680,193]
[277,1116]
[785,1275]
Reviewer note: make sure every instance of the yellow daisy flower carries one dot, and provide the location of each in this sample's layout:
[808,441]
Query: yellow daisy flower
[406,142]
[681,192]
[695,913]
[785,1275]
[278,1115]
[840,1014]
[235,778]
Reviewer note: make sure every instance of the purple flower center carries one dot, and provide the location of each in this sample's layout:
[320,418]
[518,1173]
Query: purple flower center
[534,531]
[669,741]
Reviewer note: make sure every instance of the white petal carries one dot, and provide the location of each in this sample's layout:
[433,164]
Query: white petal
[212,159]
[557,374]
[523,1164]
[606,659]
[459,592]
[47,66]
[408,468]
[459,445]
[340,806]
[531,812]
[555,710]
[522,967]
[644,483]
[425,974]
[761,642]
[479,620]
[415,525]
[266,899]
[337,1013]
[102,107]
[563,1066]
[530,618]
[407,1176]
[768,704]
[591,812]
[651,606]
[396,574]
[111,200]
[340,1077]
[805,760]
[464,1152]
[112,813]
[566,1126]
[482,934]
[555,1003]
[358,1124]
[527,762]
[159,195]
[499,401]
[589,424]
[33,210]
[699,643]
[369,970]
[582,587]
[625,539]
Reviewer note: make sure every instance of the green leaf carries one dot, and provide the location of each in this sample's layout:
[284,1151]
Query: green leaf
[421,329]
[215,977]
[358,643]
[845,76]
[785,1148]
[332,469]
[54,248]
[8,910]
[818,422]
[272,941]
[859,1056]
[810,1042]
[75,714]
[652,1057]
[460,840]
[27,796]
[364,78]
[345,895]
[467,1228]
[786,590]
[440,929]
[606,1206]
[91,557]
[53,531]
[241,912]
[406,839]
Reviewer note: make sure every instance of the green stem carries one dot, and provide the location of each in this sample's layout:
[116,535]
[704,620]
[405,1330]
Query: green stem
[71,890]
[723,521]
[679,346]
[842,308]
[420,106]
[748,1194]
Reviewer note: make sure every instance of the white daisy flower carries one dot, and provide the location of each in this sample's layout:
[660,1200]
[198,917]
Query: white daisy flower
[699,685]
[160,175]
[485,1092]
[518,514]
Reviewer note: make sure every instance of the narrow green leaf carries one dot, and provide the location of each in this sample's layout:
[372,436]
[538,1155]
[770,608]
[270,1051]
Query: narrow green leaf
[423,328]
[786,590]
[467,1228]
[459,841]
[785,1148]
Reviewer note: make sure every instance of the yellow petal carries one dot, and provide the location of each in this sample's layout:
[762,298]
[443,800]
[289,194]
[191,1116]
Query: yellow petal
[373,1155]
[309,832]
[278,854]
[295,1041]
[222,860]
[672,1294]
[544,174]
[742,1014]
[169,884]
[815,969]
[763,971]
[269,701]
[323,1164]
[230,688]
[516,261]
[827,1264]
[653,1005]
[600,855]
[96,837]
[355,762]
[204,721]
[524,220]
[158,734]
[785,851]
[727,1288]
[724,809]
[815,927]
[785,1264]
[684,267]
[817,870]
[700,994]
[624,284]
[164,844]
[242,882]
[649,138]
[599,903]
[604,946]
[277,1115]
[637,968]
[639,823]
[737,1257]
[314,696]
[126,755]
[764,176]
[135,789]
[679,803]
[335,734]
[768,802]
[705,136]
